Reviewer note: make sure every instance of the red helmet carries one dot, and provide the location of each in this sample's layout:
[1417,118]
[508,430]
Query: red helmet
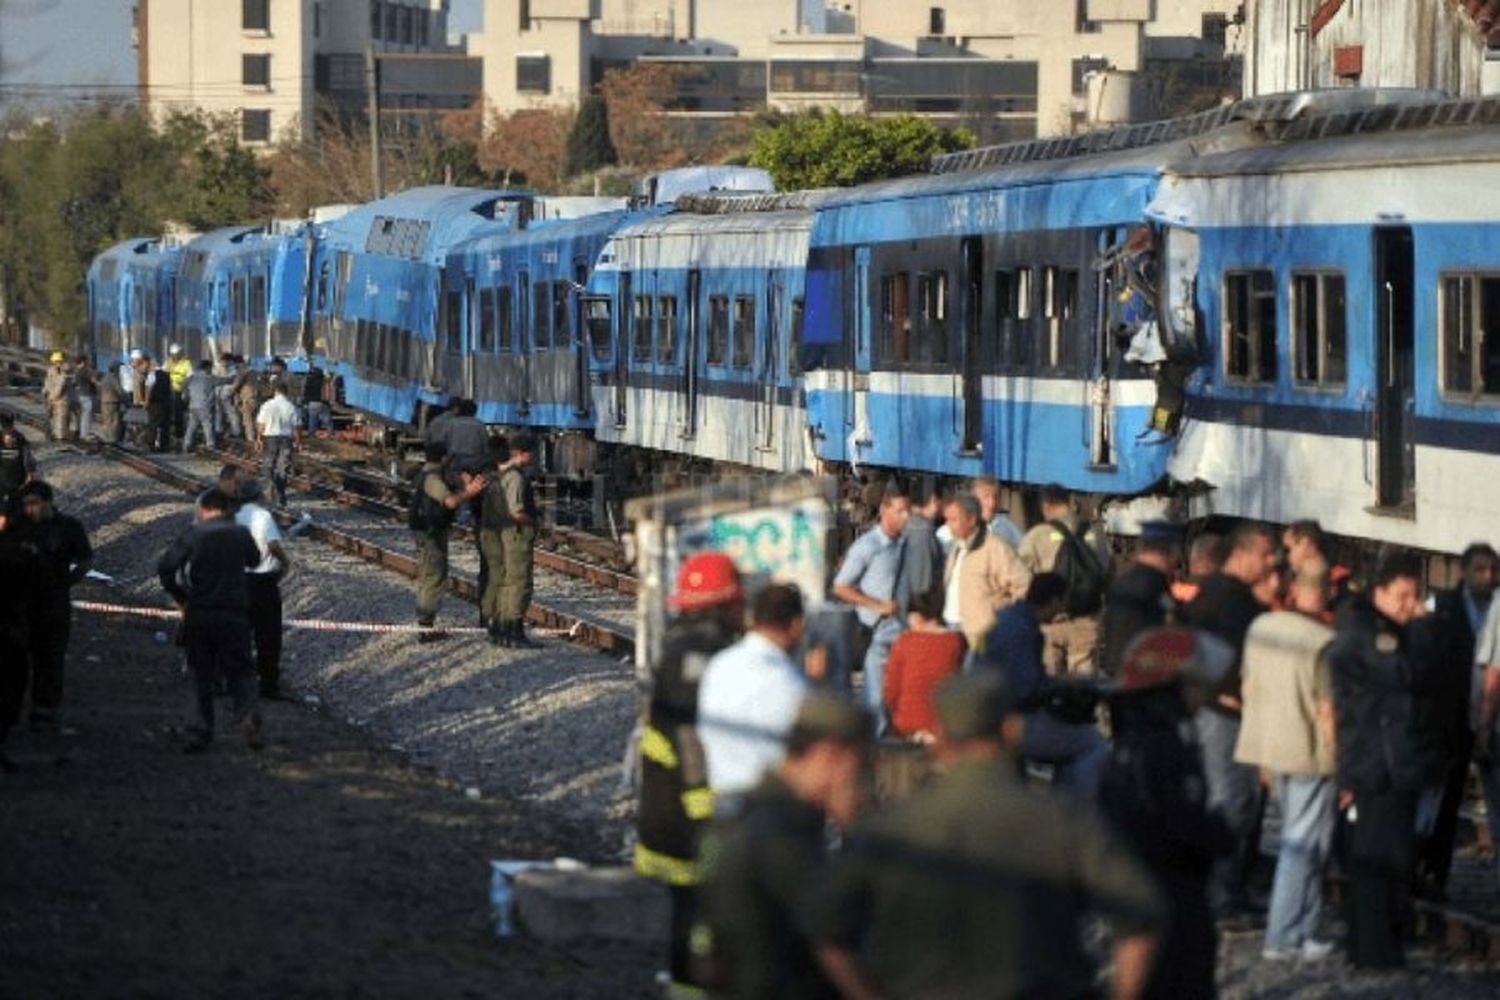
[704,580]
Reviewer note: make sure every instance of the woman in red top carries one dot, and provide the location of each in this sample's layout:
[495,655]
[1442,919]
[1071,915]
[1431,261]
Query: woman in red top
[924,656]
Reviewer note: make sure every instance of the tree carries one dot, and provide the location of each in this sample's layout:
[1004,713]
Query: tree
[532,144]
[589,145]
[829,149]
[637,95]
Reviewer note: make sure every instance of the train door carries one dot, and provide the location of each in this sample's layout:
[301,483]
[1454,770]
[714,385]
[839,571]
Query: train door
[860,375]
[580,341]
[1100,359]
[765,411]
[625,317]
[690,355]
[973,362]
[1394,370]
[525,339]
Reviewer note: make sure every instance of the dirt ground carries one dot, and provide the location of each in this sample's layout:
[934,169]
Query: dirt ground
[323,866]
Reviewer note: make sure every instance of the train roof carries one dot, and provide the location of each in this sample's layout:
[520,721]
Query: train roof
[686,240]
[423,223]
[147,251]
[551,232]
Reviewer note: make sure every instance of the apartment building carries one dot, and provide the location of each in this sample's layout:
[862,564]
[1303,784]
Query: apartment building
[1008,68]
[276,63]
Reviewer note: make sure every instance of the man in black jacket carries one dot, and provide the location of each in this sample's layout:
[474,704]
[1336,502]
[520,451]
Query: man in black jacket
[1385,756]
[1140,597]
[204,571]
[63,551]
[18,572]
[1458,616]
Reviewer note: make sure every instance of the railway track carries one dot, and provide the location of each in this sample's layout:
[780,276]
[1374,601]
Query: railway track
[590,630]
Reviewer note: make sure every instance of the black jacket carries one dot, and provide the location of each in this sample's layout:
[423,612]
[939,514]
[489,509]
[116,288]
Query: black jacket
[1140,598]
[205,568]
[1381,689]
[1453,665]
[1225,607]
[62,546]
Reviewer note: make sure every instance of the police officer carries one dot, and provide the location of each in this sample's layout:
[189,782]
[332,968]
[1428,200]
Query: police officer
[17,463]
[675,801]
[204,571]
[510,555]
[18,569]
[63,549]
[431,519]
[761,886]
[974,886]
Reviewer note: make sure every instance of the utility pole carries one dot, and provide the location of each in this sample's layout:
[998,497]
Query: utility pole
[372,88]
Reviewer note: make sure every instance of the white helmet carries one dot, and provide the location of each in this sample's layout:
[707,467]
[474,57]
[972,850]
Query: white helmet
[135,354]
[174,349]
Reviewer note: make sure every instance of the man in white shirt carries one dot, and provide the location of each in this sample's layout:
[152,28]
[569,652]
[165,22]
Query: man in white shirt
[263,581]
[750,694]
[278,431]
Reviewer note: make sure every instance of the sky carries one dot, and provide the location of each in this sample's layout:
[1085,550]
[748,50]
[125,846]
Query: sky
[68,49]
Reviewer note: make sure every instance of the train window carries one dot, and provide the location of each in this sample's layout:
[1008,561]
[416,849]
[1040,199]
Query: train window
[718,329]
[744,331]
[596,321]
[562,334]
[487,323]
[895,316]
[541,336]
[641,329]
[1020,304]
[666,329]
[1318,330]
[1249,323]
[932,304]
[1059,305]
[1012,311]
[237,302]
[258,299]
[1471,335]
[504,318]
[794,345]
[453,322]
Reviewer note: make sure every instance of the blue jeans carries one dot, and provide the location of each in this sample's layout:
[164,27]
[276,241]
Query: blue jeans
[1307,815]
[886,634]
[318,417]
[1078,751]
[1234,793]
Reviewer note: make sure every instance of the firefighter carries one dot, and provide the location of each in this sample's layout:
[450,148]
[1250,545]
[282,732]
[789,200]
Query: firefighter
[676,804]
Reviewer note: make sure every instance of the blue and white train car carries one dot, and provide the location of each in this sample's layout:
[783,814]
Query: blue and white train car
[512,336]
[131,299]
[964,324]
[243,290]
[693,321]
[1349,294]
[376,292]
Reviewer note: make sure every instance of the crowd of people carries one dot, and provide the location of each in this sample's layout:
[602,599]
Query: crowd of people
[1105,738]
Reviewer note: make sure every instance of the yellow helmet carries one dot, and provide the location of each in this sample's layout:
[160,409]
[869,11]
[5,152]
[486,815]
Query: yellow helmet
[58,356]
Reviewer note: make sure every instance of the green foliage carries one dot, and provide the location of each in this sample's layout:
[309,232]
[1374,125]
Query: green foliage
[819,149]
[71,189]
[589,144]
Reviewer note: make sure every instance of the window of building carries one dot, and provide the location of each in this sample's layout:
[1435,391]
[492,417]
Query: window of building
[1320,348]
[666,329]
[718,329]
[1215,29]
[255,15]
[317,20]
[932,309]
[487,320]
[744,331]
[895,316]
[403,25]
[534,74]
[808,76]
[1249,323]
[423,27]
[1081,23]
[641,336]
[255,125]
[377,19]
[1081,70]
[523,12]
[255,70]
[1471,351]
[392,28]
[937,21]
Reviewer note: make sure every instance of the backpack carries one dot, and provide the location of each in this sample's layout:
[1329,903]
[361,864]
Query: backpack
[426,514]
[1080,565]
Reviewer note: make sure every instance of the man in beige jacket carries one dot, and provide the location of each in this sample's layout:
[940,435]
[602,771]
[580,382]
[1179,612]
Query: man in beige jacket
[983,574]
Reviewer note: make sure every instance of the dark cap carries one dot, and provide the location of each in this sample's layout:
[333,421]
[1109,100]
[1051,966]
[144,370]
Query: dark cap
[826,717]
[250,488]
[1160,533]
[523,441]
[972,706]
[36,488]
